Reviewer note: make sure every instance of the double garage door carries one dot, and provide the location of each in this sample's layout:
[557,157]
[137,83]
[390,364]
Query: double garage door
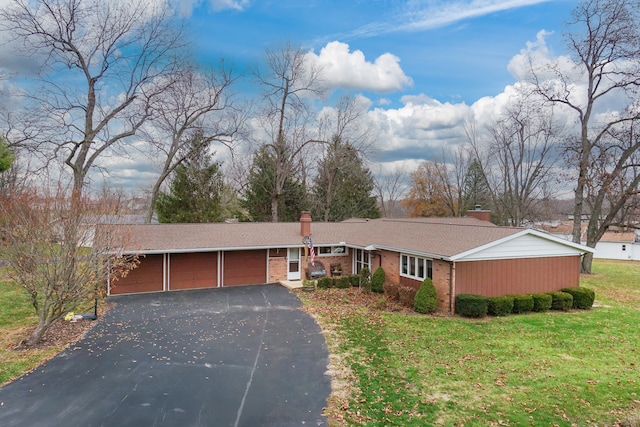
[169,272]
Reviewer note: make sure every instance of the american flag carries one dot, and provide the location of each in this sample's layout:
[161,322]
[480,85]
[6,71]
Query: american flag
[312,252]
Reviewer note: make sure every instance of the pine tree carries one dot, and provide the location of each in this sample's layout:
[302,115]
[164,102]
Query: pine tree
[196,190]
[344,185]
[261,191]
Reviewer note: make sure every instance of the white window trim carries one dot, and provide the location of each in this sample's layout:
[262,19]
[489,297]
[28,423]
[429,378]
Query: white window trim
[332,253]
[416,258]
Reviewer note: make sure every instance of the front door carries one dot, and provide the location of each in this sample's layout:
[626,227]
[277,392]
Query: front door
[293,271]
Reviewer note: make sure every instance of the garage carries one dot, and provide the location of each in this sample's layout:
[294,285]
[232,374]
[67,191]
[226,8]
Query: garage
[245,267]
[146,277]
[193,270]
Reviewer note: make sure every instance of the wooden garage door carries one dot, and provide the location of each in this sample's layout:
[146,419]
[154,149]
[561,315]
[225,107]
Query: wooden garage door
[192,271]
[245,268]
[146,277]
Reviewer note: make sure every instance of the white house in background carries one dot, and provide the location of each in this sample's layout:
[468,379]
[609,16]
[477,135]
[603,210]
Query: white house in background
[622,245]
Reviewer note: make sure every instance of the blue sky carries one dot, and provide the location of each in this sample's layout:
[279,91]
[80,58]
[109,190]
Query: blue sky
[453,51]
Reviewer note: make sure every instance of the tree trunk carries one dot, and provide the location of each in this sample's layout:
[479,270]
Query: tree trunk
[37,334]
[587,260]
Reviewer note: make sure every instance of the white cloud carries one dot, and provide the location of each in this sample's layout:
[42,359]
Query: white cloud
[351,70]
[229,4]
[421,15]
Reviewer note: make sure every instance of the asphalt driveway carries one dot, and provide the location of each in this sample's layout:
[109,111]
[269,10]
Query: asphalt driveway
[241,356]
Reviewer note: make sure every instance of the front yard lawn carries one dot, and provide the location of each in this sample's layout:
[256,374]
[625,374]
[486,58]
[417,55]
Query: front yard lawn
[577,368]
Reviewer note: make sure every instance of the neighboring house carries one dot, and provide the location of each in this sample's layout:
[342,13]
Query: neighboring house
[461,255]
[614,244]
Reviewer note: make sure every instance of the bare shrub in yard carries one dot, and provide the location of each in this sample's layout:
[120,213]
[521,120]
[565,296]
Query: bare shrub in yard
[56,253]
[407,294]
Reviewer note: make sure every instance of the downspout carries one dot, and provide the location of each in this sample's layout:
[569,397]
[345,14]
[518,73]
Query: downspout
[452,286]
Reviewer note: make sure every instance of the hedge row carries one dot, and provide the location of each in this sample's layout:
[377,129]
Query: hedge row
[471,305]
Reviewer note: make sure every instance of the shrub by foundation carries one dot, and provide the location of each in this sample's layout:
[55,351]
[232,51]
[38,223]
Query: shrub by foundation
[500,306]
[391,291]
[470,305]
[406,295]
[377,280]
[341,282]
[365,279]
[561,301]
[354,279]
[541,302]
[325,282]
[582,297]
[522,303]
[426,299]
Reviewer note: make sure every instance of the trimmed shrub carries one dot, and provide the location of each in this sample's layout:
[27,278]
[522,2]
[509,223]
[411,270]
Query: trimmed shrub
[522,303]
[406,295]
[391,291]
[354,279]
[325,282]
[471,305]
[561,301]
[541,302]
[341,282]
[377,280]
[365,279]
[426,299]
[582,297]
[500,306]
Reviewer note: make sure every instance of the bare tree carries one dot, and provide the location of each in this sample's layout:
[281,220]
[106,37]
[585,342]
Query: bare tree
[604,41]
[519,159]
[98,60]
[55,252]
[612,184]
[289,83]
[195,103]
[390,187]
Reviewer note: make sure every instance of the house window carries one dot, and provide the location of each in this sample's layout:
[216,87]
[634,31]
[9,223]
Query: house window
[331,250]
[362,259]
[416,267]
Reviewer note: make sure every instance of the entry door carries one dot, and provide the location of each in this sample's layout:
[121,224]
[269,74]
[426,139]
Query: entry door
[293,271]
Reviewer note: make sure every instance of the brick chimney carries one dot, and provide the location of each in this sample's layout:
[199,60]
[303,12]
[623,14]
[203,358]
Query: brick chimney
[479,213]
[305,224]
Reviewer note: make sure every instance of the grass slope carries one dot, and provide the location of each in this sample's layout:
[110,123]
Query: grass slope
[577,368]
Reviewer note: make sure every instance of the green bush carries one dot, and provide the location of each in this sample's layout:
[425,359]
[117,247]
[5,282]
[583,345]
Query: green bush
[500,306]
[325,282]
[341,282]
[365,279]
[377,280]
[561,301]
[522,303]
[582,297]
[406,295]
[426,299]
[354,279]
[470,305]
[541,302]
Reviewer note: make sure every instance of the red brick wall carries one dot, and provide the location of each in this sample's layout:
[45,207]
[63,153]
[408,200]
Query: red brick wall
[277,269]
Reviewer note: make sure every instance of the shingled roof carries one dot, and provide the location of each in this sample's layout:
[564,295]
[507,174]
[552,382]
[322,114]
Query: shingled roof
[438,237]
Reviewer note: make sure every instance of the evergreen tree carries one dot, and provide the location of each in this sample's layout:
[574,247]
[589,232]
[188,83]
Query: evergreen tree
[261,191]
[343,187]
[476,189]
[196,189]
[6,156]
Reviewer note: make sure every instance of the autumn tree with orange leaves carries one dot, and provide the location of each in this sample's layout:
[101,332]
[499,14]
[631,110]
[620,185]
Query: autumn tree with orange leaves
[428,192]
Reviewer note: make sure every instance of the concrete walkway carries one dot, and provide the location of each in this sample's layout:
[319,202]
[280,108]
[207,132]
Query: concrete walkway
[241,356]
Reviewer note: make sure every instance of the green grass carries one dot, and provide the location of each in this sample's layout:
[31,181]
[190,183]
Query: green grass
[17,318]
[542,369]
